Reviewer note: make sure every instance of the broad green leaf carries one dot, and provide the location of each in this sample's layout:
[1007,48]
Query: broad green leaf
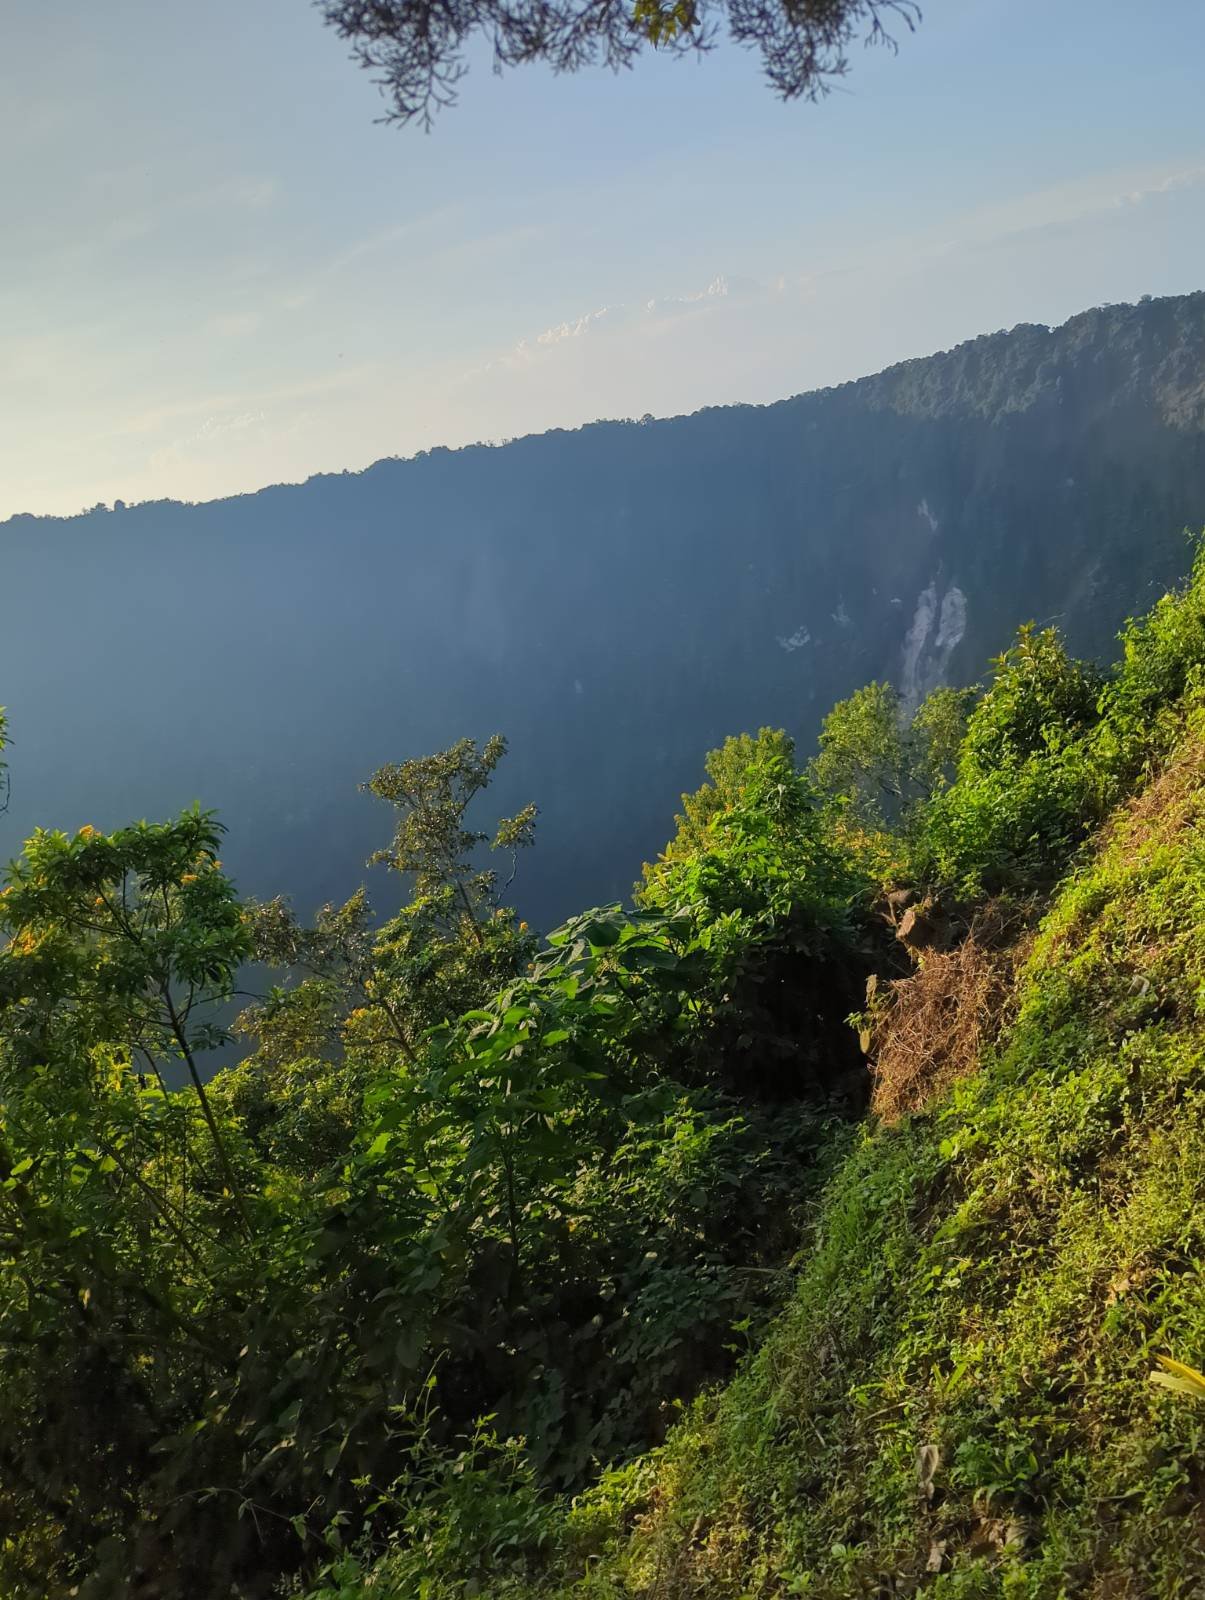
[1180,1378]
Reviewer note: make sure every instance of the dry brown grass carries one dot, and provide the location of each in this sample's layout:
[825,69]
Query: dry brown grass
[1169,801]
[931,1028]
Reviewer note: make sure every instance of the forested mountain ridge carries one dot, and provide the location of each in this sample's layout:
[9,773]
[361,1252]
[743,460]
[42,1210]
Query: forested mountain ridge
[616,598]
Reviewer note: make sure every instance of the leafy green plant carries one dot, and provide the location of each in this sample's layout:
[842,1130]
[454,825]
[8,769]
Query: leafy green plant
[777,902]
[882,764]
[1180,1379]
[1026,789]
[452,1152]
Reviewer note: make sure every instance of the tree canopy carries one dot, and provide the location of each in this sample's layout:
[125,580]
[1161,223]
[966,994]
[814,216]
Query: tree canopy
[417,48]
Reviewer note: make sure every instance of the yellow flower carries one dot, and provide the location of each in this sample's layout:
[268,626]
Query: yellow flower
[87,831]
[189,877]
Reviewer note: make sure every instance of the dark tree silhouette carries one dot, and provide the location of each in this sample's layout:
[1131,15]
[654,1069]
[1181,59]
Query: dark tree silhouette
[417,47]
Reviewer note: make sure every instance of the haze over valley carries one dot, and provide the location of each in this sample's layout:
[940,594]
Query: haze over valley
[616,600]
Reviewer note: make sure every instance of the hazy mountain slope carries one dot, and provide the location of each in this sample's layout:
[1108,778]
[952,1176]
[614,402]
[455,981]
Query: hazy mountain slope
[615,599]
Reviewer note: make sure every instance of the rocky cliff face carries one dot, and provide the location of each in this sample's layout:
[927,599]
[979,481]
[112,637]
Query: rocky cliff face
[615,599]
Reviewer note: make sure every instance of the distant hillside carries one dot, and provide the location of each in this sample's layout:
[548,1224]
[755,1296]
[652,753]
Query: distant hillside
[615,599]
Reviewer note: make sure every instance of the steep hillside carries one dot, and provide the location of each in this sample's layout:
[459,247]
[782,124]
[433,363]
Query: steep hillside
[616,599]
[958,1401]
[985,1380]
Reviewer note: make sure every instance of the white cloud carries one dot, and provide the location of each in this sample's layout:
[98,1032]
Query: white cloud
[721,287]
[579,326]
[212,427]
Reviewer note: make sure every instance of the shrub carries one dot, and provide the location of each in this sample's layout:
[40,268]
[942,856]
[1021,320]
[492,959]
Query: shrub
[1026,789]
[777,902]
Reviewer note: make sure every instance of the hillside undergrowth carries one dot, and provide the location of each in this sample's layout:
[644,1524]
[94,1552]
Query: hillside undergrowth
[957,1399]
[574,1268]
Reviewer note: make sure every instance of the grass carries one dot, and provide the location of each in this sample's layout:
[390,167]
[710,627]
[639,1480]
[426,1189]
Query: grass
[932,1028]
[957,1402]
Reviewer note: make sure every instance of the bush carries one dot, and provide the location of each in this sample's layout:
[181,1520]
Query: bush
[777,901]
[1026,788]
[1054,743]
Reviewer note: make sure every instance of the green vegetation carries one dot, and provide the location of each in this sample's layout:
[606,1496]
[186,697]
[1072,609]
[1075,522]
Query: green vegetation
[573,1267]
[957,1399]
[463,1189]
[884,766]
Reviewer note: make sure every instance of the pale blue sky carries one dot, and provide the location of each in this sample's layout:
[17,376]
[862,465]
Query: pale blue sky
[217,272]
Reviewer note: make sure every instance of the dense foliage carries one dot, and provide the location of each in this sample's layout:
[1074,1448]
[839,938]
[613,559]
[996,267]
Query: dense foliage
[778,904]
[464,1189]
[958,1398]
[427,1295]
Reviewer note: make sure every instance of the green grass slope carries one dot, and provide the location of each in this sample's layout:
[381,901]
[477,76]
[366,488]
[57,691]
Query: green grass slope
[958,1402]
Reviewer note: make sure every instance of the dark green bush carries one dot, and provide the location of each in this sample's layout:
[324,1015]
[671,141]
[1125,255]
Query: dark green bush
[1051,746]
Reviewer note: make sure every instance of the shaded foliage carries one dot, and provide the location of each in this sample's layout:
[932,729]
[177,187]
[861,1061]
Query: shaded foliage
[779,904]
[460,1177]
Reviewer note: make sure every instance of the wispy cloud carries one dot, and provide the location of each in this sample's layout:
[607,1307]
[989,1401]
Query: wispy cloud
[1057,206]
[1063,206]
[213,427]
[1187,179]
[611,319]
[234,324]
[579,325]
[215,409]
[420,233]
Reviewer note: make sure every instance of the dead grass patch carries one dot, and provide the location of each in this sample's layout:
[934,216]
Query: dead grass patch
[1169,802]
[931,1028]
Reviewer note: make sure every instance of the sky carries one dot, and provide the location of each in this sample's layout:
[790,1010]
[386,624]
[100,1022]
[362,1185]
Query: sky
[219,270]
